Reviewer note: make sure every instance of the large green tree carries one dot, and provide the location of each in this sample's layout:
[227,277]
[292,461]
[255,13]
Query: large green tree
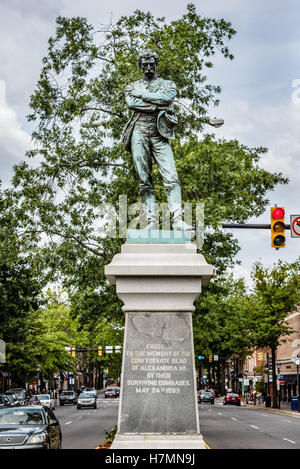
[80,110]
[276,294]
[221,324]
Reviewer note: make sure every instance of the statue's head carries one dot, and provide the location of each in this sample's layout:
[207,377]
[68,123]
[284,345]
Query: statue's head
[148,60]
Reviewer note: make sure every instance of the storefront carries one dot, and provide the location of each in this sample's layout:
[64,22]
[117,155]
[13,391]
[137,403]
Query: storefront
[288,386]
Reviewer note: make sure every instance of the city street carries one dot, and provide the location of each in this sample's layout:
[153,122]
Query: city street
[232,427]
[84,428]
[222,427]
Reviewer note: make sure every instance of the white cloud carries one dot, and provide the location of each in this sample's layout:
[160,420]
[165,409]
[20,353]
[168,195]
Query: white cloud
[14,141]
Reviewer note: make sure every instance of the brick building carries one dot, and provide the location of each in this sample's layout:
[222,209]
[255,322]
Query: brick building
[286,354]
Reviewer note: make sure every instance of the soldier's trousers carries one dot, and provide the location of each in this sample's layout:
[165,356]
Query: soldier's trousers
[147,143]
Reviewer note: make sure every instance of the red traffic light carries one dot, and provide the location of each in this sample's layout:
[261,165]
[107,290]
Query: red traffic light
[278,213]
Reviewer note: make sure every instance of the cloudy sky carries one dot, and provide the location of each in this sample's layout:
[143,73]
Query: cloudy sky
[260,100]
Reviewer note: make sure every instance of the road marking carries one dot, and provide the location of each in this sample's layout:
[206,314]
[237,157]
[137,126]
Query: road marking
[285,420]
[290,441]
[208,447]
[232,418]
[68,423]
[219,413]
[253,426]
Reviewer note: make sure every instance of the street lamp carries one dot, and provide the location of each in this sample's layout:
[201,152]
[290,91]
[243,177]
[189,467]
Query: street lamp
[215,122]
[38,369]
[297,361]
[278,381]
[246,379]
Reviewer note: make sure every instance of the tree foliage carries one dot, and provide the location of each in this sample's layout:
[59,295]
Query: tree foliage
[79,109]
[276,294]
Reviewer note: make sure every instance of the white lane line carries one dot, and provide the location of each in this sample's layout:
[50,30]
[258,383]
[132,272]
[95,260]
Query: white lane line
[219,413]
[79,418]
[232,418]
[290,441]
[253,426]
[286,420]
[68,423]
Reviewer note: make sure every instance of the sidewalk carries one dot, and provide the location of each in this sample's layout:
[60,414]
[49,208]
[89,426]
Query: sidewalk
[285,408]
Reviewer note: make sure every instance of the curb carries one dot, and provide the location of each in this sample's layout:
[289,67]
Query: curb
[270,409]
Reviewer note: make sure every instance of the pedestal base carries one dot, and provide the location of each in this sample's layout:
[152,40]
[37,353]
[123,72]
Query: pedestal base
[151,441]
[158,284]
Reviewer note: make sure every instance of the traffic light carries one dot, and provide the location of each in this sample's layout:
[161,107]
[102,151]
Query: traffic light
[100,351]
[277,227]
[260,356]
[210,358]
[73,352]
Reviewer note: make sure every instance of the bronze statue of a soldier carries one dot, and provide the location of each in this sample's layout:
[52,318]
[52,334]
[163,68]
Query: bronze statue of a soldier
[147,135]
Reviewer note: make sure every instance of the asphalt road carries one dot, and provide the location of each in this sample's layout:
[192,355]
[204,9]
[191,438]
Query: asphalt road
[84,428]
[232,427]
[222,427]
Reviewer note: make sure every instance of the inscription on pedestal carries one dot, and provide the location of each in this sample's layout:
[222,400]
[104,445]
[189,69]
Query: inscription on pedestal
[158,392]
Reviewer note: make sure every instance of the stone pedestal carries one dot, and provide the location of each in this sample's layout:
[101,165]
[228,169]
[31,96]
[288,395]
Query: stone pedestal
[158,284]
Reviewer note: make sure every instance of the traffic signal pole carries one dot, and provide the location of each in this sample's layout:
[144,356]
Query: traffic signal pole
[252,226]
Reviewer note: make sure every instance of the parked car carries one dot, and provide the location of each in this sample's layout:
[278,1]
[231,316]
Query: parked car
[232,398]
[4,401]
[67,397]
[14,402]
[46,399]
[87,399]
[20,393]
[112,392]
[206,396]
[28,427]
[34,400]
[93,390]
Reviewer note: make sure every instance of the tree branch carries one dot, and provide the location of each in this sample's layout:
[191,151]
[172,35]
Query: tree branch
[74,238]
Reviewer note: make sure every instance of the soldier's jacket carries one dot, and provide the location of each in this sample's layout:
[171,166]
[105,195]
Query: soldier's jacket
[155,96]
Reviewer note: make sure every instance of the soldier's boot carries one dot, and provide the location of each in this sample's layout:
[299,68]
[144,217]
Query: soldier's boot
[179,223]
[150,209]
[175,207]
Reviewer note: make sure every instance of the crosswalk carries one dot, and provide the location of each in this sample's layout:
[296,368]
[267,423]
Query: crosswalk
[104,403]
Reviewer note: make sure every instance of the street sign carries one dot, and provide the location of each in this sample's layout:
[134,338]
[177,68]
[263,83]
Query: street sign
[295,226]
[216,358]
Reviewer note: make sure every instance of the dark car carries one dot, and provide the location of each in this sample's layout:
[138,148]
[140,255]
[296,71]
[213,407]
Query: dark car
[4,401]
[206,396]
[67,397]
[14,402]
[87,399]
[28,428]
[112,392]
[20,394]
[232,398]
